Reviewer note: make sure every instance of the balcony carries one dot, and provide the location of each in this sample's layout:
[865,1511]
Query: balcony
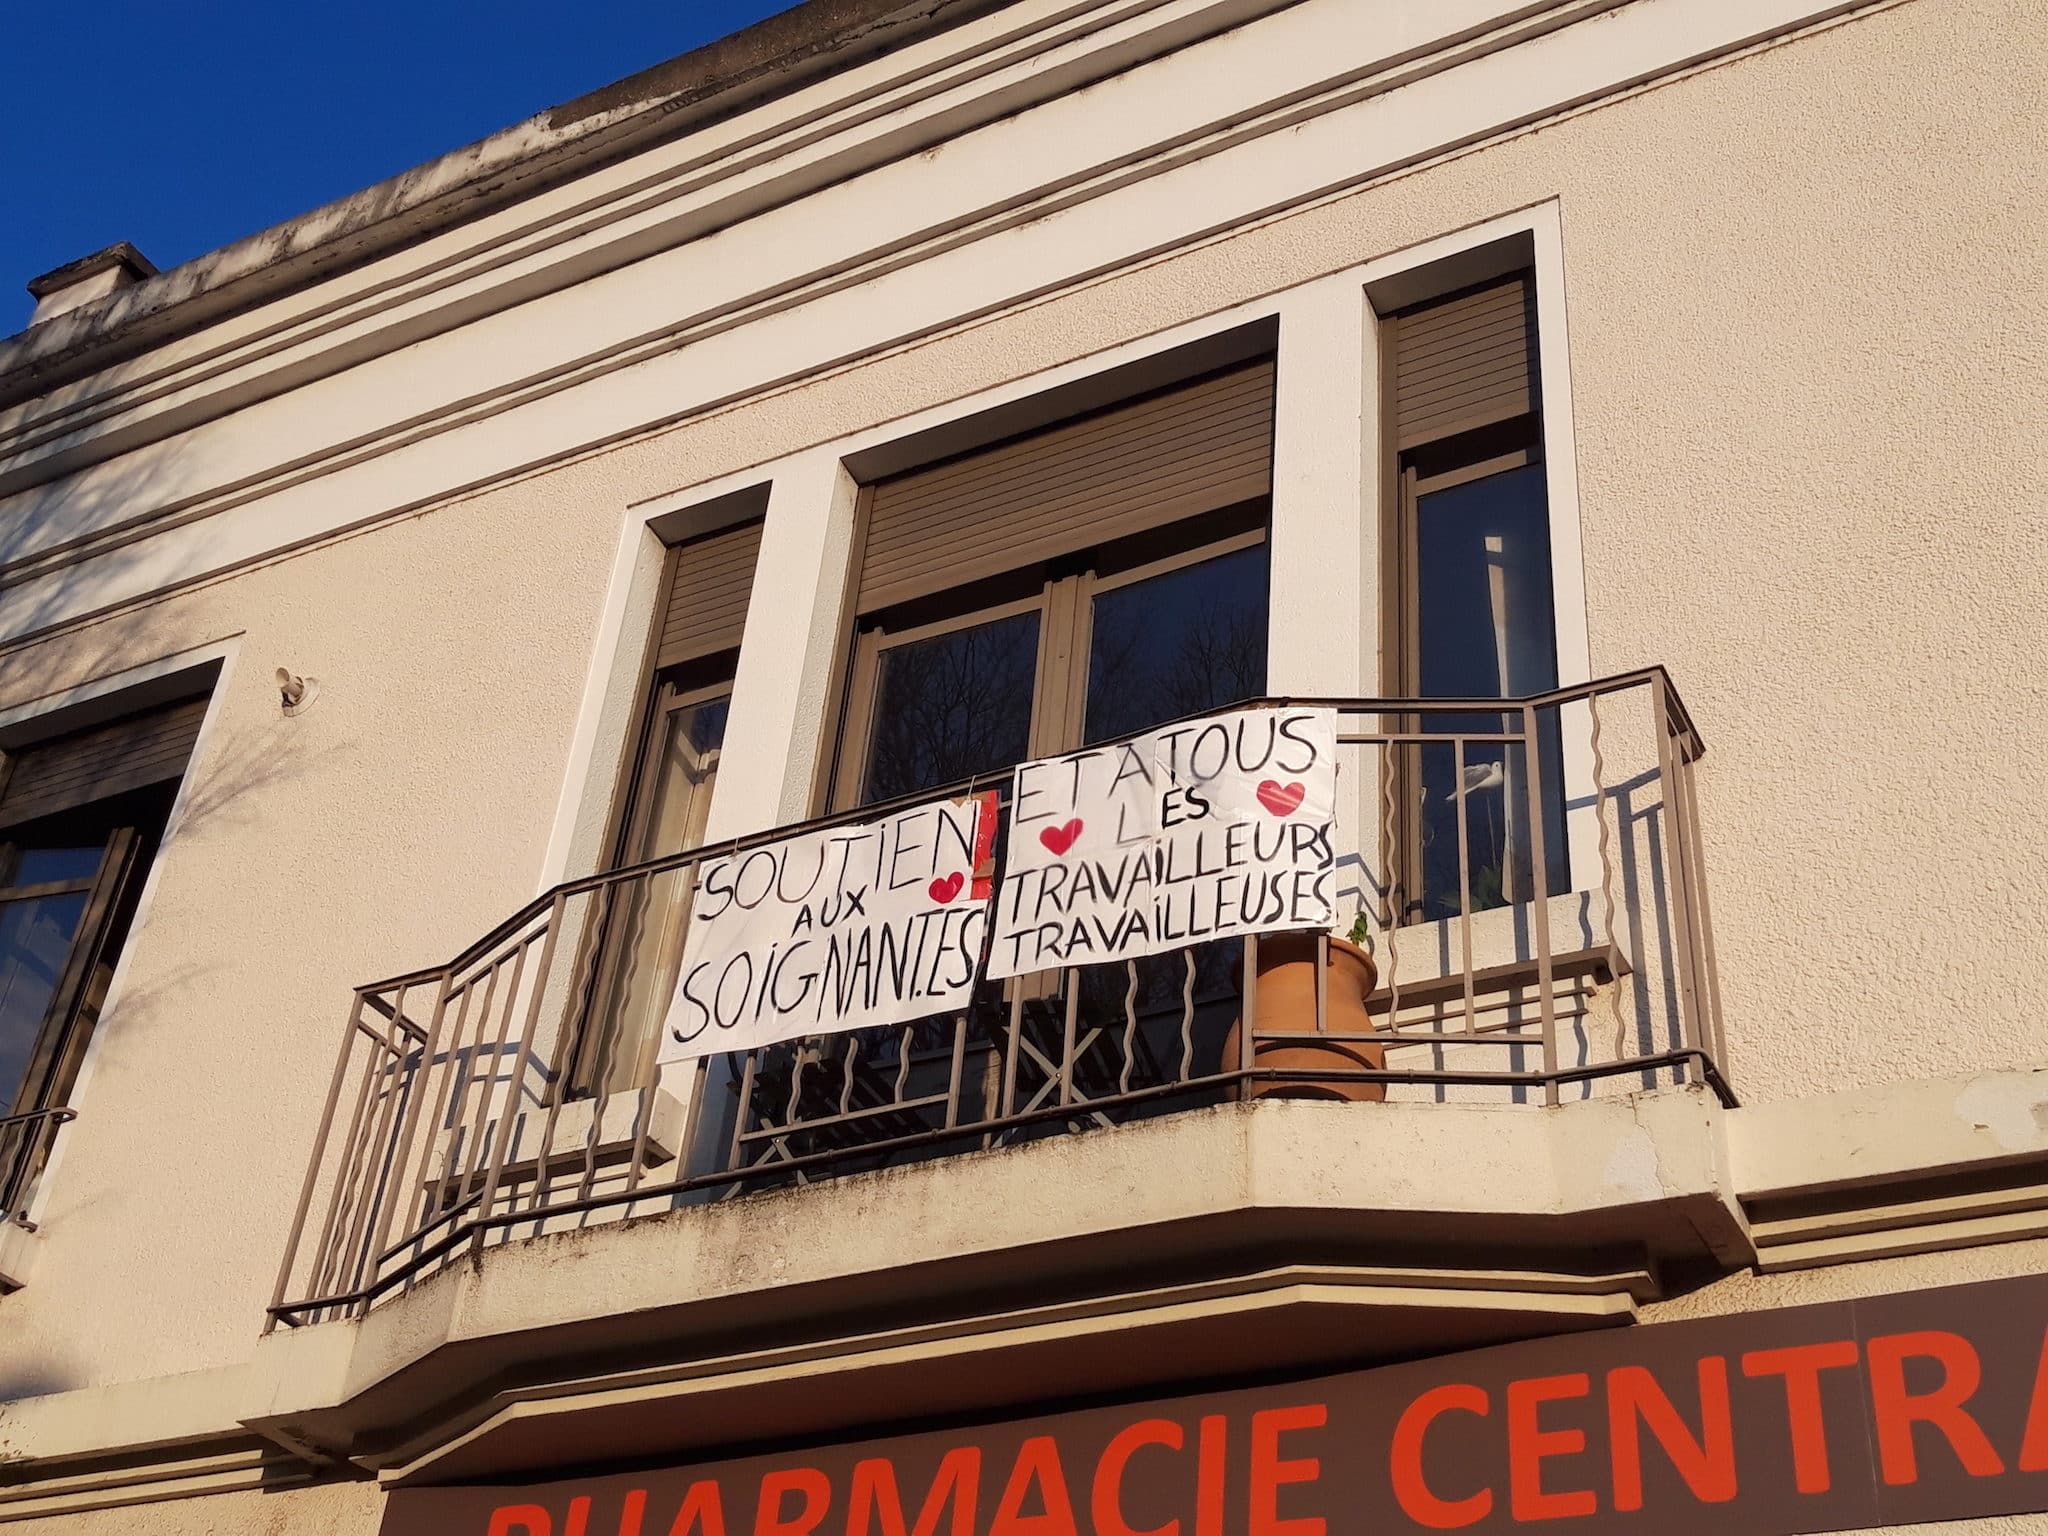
[1540,932]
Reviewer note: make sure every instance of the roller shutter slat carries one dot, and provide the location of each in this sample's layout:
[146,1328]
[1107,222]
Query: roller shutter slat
[1228,458]
[937,570]
[1501,357]
[1237,402]
[1451,323]
[147,748]
[1178,454]
[1464,362]
[1061,474]
[708,593]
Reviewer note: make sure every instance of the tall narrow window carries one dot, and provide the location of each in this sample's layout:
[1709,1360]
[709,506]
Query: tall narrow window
[1471,607]
[1057,590]
[668,804]
[81,818]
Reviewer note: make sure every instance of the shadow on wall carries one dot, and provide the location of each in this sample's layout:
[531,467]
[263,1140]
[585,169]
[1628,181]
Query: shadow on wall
[73,547]
[175,997]
[49,1373]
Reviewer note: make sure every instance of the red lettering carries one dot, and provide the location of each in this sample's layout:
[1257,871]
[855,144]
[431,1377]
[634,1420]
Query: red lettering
[874,1493]
[520,1520]
[814,1488]
[1270,1473]
[1530,1445]
[632,1512]
[1105,1503]
[703,1511]
[1411,1489]
[2034,1448]
[1897,1410]
[1038,1461]
[579,1516]
[1707,1463]
[1211,1446]
[1801,1365]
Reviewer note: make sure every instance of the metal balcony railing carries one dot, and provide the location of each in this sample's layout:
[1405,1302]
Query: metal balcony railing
[1532,897]
[25,1143]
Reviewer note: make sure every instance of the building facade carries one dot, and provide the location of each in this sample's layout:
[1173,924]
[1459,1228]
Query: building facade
[1620,419]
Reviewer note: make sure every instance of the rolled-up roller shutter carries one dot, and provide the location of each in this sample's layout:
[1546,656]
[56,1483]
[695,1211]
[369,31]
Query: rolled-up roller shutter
[1464,362]
[1185,451]
[712,579]
[149,747]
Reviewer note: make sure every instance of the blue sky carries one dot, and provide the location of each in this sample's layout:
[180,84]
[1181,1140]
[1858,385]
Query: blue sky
[183,126]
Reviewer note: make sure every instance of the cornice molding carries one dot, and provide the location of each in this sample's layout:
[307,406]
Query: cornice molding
[771,57]
[554,237]
[636,220]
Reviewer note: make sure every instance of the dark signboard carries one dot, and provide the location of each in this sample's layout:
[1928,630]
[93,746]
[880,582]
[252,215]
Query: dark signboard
[1923,1406]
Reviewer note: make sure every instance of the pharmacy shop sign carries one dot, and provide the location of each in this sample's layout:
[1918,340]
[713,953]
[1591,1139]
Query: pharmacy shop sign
[853,926]
[1921,1407]
[1206,830]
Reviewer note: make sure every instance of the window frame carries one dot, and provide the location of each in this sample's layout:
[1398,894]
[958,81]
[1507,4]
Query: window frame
[1096,584]
[671,694]
[872,639]
[1461,457]
[1402,602]
[679,686]
[59,1043]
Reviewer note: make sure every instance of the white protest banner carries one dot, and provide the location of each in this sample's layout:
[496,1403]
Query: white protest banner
[1198,831]
[835,930]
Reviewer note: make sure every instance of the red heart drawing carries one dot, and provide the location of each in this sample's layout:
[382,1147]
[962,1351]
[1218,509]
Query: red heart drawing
[1281,799]
[945,890]
[1060,839]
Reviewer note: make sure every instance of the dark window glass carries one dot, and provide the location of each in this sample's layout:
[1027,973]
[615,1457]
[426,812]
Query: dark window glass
[40,866]
[1487,629]
[1177,643]
[951,706]
[1483,580]
[35,940]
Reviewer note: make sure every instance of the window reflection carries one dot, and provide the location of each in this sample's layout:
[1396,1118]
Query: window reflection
[1487,628]
[35,939]
[644,941]
[951,706]
[1166,646]
[1177,643]
[684,776]
[38,866]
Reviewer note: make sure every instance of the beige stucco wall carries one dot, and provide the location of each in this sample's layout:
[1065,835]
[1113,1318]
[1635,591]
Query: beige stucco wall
[1807,371]
[330,1509]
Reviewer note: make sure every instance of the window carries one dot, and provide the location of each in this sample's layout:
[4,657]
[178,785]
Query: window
[1117,644]
[667,804]
[1067,586]
[1127,638]
[1470,605]
[1175,641]
[81,817]
[951,700]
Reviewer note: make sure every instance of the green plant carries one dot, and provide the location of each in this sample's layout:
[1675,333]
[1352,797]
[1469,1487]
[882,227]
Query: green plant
[1361,928]
[1488,887]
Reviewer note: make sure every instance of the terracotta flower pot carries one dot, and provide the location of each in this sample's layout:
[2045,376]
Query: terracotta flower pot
[1285,1004]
